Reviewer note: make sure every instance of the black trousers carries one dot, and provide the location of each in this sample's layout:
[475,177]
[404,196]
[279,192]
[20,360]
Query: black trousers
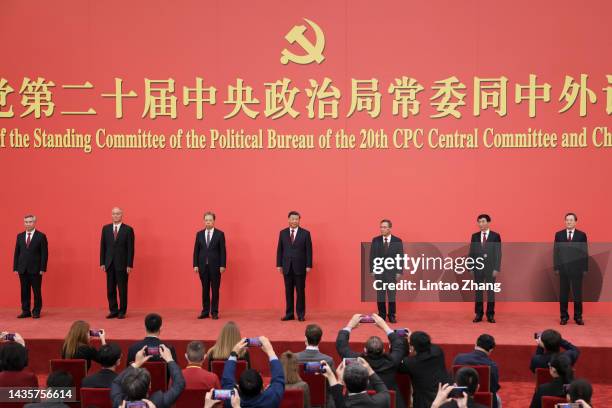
[31,282]
[383,295]
[484,276]
[295,282]
[570,280]
[117,281]
[211,282]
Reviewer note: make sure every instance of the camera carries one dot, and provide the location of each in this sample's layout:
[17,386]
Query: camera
[348,361]
[314,368]
[136,404]
[9,337]
[222,395]
[253,342]
[95,332]
[402,332]
[152,351]
[366,319]
[457,392]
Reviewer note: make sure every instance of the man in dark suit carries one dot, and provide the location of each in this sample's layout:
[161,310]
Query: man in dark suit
[426,366]
[109,356]
[134,382]
[486,245]
[357,377]
[294,260]
[117,260]
[384,364]
[386,246]
[153,324]
[549,344]
[209,256]
[571,262]
[481,356]
[30,262]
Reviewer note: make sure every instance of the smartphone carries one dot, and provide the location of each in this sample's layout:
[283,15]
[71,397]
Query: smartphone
[402,332]
[457,392]
[136,404]
[152,351]
[349,361]
[569,405]
[95,332]
[9,337]
[222,395]
[253,342]
[314,368]
[366,319]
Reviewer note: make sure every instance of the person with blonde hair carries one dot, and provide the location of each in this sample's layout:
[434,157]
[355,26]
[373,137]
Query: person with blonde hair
[228,338]
[292,376]
[77,343]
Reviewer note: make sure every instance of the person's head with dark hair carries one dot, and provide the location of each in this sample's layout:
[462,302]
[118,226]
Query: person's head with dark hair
[374,346]
[570,220]
[385,227]
[551,340]
[355,378]
[486,343]
[560,366]
[294,219]
[13,357]
[60,379]
[195,353]
[153,323]
[420,342]
[250,384]
[580,389]
[313,334]
[135,384]
[109,356]
[467,377]
[483,221]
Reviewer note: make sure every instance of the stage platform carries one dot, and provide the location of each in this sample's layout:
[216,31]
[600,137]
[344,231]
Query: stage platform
[452,329]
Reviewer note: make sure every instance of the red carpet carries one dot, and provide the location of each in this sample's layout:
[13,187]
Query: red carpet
[453,330]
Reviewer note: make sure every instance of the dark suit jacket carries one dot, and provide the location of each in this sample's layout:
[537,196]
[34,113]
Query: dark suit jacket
[386,365]
[150,342]
[118,252]
[478,357]
[159,398]
[269,397]
[381,399]
[297,255]
[491,251]
[33,259]
[551,389]
[426,370]
[572,256]
[214,254]
[314,355]
[541,358]
[377,250]
[102,379]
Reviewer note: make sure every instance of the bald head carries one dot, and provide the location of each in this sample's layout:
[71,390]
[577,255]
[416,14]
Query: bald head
[117,214]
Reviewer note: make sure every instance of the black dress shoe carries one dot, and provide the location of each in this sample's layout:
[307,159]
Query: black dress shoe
[563,322]
[24,315]
[392,319]
[215,317]
[203,316]
[285,318]
[477,319]
[121,316]
[490,319]
[35,315]
[301,318]
[579,322]
[112,315]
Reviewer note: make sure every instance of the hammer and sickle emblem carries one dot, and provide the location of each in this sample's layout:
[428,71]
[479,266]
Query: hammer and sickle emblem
[314,52]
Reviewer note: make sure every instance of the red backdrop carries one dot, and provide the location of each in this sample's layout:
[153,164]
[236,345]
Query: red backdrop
[431,195]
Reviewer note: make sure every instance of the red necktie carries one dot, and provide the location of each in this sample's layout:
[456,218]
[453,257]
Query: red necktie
[484,238]
[570,236]
[115,232]
[207,238]
[292,236]
[28,240]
